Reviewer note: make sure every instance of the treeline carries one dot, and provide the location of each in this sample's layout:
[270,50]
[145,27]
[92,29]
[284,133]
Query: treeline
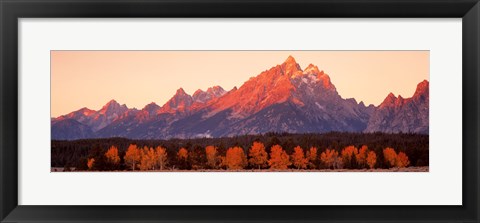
[76,154]
[151,159]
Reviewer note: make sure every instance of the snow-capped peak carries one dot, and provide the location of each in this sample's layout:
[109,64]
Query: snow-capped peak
[290,67]
[311,69]
[211,93]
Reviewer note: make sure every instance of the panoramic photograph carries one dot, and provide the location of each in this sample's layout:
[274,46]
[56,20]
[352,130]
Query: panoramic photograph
[240,111]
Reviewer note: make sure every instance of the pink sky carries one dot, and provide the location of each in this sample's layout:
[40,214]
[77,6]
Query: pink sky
[136,78]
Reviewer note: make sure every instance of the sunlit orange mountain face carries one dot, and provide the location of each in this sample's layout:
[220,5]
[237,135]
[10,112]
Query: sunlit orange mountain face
[284,98]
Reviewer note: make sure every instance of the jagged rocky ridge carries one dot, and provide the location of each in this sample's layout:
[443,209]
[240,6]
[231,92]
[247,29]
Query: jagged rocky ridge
[284,98]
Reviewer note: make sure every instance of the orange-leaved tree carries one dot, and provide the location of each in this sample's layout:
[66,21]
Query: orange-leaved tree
[182,154]
[349,154]
[212,156]
[182,157]
[402,160]
[329,158]
[132,156]
[112,157]
[258,155]
[298,158]
[235,158]
[362,156]
[161,157]
[371,159]
[90,163]
[279,159]
[312,157]
[390,156]
[148,159]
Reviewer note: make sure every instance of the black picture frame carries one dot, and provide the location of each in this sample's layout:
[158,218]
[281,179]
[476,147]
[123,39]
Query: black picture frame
[12,10]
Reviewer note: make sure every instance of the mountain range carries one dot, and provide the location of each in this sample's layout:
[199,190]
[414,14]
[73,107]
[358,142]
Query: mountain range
[284,98]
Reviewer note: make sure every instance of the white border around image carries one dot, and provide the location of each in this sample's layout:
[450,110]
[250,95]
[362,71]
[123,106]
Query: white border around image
[442,185]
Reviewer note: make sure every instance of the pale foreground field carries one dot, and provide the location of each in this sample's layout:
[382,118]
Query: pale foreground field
[406,169]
